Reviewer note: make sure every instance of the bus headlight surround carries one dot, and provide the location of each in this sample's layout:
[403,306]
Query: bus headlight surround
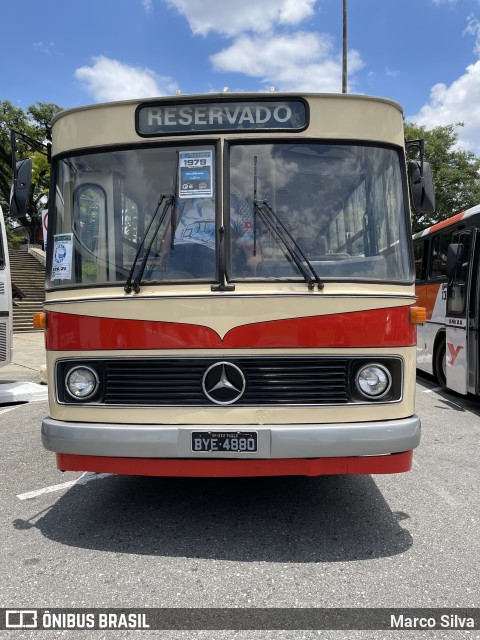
[82,382]
[373,381]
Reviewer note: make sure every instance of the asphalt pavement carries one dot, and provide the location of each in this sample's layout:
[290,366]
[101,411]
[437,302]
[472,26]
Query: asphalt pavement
[24,379]
[28,359]
[98,540]
[209,545]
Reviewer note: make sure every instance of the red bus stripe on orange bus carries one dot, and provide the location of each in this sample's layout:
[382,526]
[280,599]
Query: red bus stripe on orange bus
[447,222]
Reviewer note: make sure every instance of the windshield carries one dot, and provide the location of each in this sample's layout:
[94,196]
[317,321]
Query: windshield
[155,215]
[343,206]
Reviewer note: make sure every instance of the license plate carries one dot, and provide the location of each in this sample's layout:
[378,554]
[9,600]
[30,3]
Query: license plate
[233,442]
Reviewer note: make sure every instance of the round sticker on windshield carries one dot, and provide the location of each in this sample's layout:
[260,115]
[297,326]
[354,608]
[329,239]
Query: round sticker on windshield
[60,253]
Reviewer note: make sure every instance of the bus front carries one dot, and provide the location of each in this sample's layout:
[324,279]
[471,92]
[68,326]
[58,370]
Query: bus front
[229,288]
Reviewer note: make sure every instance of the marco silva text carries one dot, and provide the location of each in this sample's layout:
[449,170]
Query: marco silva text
[445,621]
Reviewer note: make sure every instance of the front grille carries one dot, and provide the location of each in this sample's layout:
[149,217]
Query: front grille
[266,380]
[269,381]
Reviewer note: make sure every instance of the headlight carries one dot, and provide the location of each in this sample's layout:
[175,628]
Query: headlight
[82,382]
[373,381]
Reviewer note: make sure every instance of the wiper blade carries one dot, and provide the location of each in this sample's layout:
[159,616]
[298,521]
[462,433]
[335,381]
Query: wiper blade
[169,203]
[128,283]
[286,238]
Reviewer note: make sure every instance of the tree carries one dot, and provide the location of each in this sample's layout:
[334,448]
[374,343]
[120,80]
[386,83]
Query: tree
[456,172]
[34,123]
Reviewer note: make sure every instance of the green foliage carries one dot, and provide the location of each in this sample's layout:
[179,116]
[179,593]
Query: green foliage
[13,239]
[34,123]
[40,175]
[456,172]
[10,117]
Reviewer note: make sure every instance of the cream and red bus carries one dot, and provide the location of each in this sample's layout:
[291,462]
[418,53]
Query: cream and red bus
[230,287]
[448,286]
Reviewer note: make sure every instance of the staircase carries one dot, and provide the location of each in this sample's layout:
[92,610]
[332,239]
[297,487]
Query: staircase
[28,279]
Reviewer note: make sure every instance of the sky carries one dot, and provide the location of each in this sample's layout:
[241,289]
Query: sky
[425,54]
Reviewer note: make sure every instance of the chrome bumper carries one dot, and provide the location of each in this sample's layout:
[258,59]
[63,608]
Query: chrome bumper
[274,440]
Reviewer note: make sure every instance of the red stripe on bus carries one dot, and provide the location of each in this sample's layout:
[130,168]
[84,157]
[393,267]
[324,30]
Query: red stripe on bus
[207,468]
[447,222]
[373,328]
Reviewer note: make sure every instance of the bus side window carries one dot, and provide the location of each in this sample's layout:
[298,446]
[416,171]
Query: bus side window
[458,285]
[438,263]
[419,251]
[90,212]
[130,231]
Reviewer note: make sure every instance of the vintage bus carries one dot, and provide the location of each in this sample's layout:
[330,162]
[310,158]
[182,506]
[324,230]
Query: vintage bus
[230,287]
[6,310]
[447,285]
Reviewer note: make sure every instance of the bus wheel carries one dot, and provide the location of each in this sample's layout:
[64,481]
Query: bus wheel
[440,364]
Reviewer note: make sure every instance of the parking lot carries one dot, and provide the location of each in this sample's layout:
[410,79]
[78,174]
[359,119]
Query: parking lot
[408,540]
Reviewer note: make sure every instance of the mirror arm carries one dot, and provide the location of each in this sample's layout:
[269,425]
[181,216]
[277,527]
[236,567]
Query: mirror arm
[40,147]
[420,145]
[13,150]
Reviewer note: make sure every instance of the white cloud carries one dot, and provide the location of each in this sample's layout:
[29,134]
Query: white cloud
[392,73]
[298,62]
[459,102]
[147,5]
[264,46]
[108,79]
[248,15]
[47,47]
[473,29]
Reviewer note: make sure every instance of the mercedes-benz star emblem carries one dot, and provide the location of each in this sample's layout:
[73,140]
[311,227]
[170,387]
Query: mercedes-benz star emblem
[223,383]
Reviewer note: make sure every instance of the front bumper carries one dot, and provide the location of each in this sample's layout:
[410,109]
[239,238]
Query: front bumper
[297,441]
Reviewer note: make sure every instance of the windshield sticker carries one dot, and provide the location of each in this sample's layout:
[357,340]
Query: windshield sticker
[62,257]
[195,174]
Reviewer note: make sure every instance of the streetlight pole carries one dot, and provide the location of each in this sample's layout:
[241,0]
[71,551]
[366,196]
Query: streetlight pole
[344,57]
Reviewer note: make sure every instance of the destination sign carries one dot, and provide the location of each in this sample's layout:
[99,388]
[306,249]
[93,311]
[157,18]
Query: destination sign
[225,115]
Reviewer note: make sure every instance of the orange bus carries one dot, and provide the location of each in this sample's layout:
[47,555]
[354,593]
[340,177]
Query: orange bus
[230,287]
[447,284]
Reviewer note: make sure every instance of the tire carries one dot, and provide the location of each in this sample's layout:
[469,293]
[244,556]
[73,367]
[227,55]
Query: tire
[440,363]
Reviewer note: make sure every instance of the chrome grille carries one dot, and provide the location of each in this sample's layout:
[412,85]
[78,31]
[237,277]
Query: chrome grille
[269,381]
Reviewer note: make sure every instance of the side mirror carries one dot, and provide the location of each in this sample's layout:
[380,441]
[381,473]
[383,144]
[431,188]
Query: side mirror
[421,186]
[454,259]
[22,182]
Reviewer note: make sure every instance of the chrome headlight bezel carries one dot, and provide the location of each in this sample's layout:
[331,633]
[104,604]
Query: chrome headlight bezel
[387,377]
[95,383]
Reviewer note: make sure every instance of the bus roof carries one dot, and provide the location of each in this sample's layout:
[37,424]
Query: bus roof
[228,95]
[463,215]
[330,116]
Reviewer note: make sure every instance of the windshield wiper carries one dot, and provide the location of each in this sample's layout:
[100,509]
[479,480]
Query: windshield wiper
[169,203]
[280,230]
[136,284]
